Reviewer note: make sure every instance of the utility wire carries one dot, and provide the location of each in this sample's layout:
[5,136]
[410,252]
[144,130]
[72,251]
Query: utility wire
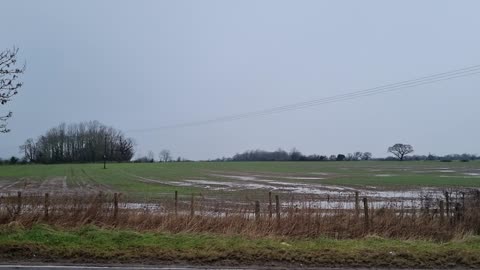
[464,72]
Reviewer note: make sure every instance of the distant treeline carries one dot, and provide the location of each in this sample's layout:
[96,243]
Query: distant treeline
[450,157]
[295,155]
[83,142]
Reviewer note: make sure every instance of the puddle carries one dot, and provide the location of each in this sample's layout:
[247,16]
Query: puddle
[319,173]
[237,177]
[303,178]
[405,194]
[336,205]
[206,182]
[312,189]
[232,186]
[436,171]
[138,206]
[461,176]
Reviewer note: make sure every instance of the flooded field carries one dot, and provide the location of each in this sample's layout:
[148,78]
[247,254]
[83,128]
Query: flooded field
[334,199]
[322,184]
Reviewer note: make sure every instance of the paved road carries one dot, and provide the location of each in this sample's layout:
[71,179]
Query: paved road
[84,267]
[133,267]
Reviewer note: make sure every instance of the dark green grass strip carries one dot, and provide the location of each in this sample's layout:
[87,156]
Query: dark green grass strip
[94,245]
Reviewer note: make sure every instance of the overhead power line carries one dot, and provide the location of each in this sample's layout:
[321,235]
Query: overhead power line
[453,74]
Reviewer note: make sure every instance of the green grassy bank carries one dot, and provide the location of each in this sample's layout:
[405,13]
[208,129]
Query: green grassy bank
[94,245]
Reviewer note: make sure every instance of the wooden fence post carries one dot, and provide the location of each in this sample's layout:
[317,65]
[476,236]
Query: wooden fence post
[257,210]
[19,202]
[176,202]
[192,207]
[270,207]
[477,198]
[357,204]
[458,212]
[442,212]
[291,208]
[45,205]
[447,204]
[115,206]
[277,203]
[365,210]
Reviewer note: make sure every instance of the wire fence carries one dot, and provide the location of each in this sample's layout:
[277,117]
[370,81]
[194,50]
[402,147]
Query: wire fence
[435,216]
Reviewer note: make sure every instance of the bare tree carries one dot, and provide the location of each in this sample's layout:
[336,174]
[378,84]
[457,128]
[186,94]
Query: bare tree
[357,155]
[151,156]
[83,142]
[400,150]
[125,148]
[295,154]
[29,149]
[165,155]
[9,84]
[366,156]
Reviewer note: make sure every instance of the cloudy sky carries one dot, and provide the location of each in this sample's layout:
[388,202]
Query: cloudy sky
[139,65]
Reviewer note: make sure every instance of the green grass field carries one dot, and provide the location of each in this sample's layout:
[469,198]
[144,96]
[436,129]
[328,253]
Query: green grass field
[152,178]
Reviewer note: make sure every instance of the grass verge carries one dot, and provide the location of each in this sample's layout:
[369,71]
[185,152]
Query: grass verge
[91,244]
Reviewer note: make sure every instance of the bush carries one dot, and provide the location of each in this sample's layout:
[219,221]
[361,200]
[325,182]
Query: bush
[13,160]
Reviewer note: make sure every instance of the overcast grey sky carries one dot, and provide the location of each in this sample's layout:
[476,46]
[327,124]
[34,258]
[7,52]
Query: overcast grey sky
[145,64]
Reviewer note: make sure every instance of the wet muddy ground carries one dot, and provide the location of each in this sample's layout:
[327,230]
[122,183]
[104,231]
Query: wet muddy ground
[314,187]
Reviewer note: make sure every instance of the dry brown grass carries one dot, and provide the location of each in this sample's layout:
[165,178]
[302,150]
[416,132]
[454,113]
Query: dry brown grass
[298,218]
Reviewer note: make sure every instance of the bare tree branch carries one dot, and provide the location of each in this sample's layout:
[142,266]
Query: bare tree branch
[9,84]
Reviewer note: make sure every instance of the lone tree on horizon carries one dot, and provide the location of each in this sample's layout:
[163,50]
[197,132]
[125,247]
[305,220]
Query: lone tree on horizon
[8,82]
[165,155]
[400,150]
